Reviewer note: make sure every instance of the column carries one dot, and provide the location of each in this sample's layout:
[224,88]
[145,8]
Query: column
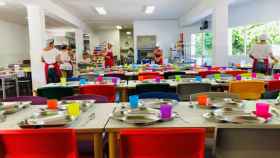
[79,39]
[220,33]
[37,41]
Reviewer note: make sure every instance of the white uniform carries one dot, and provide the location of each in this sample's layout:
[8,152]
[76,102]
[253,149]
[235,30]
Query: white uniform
[66,59]
[261,51]
[50,56]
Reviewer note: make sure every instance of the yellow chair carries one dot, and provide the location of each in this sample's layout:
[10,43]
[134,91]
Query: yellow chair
[250,90]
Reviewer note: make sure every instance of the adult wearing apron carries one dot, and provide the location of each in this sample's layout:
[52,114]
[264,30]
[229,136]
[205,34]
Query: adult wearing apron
[51,59]
[109,57]
[260,53]
[66,65]
[158,56]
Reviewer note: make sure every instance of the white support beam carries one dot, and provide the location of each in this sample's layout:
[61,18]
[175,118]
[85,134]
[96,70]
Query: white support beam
[36,25]
[79,40]
[220,33]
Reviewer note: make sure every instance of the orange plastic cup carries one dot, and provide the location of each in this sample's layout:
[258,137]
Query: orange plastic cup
[52,103]
[202,100]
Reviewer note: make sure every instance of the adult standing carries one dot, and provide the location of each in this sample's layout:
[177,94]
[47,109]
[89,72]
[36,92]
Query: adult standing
[158,55]
[51,59]
[66,64]
[261,53]
[109,57]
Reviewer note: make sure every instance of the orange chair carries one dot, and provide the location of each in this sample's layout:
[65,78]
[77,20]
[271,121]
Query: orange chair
[251,90]
[108,91]
[235,72]
[162,143]
[38,143]
[147,75]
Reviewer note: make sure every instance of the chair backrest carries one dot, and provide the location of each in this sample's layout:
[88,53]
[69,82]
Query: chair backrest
[147,75]
[251,90]
[173,73]
[97,98]
[105,90]
[159,95]
[34,143]
[119,75]
[36,100]
[273,85]
[204,74]
[215,95]
[152,87]
[223,76]
[162,143]
[55,92]
[235,72]
[184,90]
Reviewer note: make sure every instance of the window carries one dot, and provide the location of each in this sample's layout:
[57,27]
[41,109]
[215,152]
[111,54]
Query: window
[245,36]
[202,47]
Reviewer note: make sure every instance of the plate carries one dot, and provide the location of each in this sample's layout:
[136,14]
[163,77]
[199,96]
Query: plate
[248,120]
[156,103]
[13,107]
[212,117]
[228,111]
[268,117]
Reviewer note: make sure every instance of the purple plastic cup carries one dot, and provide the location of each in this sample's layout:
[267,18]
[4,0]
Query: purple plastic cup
[254,75]
[238,77]
[157,79]
[165,111]
[115,80]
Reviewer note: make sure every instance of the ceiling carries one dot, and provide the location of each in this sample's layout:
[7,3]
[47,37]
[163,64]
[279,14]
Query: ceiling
[123,12]
[16,13]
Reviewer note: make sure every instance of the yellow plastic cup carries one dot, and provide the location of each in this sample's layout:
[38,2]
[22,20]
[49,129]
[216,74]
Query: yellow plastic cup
[63,81]
[73,109]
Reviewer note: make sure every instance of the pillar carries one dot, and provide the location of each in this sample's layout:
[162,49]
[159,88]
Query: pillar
[220,33]
[36,26]
[79,39]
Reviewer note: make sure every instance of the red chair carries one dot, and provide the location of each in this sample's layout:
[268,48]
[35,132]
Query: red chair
[147,75]
[162,143]
[235,72]
[273,85]
[38,143]
[108,91]
[204,74]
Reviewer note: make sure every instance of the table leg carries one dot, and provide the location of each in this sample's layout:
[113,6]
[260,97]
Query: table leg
[17,87]
[98,145]
[3,88]
[124,94]
[113,145]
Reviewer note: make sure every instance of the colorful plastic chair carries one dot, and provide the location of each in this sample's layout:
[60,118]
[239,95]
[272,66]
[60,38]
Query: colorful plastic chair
[159,95]
[152,87]
[119,75]
[162,143]
[147,75]
[251,90]
[235,72]
[204,74]
[273,85]
[169,74]
[55,92]
[184,90]
[108,91]
[38,143]
[36,100]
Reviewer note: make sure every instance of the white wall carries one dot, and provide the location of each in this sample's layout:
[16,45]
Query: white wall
[166,32]
[111,36]
[14,43]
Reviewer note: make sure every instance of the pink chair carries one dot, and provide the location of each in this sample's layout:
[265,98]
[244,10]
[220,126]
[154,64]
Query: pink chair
[162,143]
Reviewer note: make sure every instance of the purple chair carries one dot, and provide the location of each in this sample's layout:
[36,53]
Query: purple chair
[97,98]
[36,100]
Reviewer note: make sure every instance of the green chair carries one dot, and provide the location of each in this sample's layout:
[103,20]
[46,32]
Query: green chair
[55,92]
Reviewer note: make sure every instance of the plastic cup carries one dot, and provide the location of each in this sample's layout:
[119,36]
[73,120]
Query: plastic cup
[63,81]
[83,81]
[115,80]
[262,109]
[157,79]
[99,79]
[254,75]
[133,101]
[217,76]
[202,100]
[52,104]
[178,78]
[238,77]
[165,111]
[198,78]
[276,76]
[73,109]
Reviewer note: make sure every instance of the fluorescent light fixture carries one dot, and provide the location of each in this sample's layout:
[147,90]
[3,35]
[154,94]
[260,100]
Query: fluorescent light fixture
[149,9]
[2,3]
[101,10]
[128,33]
[119,27]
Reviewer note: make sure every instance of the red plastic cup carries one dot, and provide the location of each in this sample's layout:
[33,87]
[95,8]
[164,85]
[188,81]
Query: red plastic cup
[52,103]
[202,100]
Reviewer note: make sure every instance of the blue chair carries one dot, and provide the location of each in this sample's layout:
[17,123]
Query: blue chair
[159,95]
[73,79]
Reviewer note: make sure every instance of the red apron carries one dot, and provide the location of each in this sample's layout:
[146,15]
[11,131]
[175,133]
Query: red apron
[56,69]
[266,64]
[109,59]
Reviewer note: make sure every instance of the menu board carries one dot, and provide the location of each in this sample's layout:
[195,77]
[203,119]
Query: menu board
[146,42]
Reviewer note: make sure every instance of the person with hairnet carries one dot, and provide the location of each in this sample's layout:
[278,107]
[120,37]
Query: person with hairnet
[51,59]
[261,53]
[158,55]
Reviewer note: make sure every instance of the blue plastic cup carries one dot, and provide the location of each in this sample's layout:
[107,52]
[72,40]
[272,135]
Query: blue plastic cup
[83,81]
[133,101]
[198,78]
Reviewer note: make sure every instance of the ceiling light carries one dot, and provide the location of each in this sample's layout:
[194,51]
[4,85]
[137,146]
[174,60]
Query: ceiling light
[119,27]
[149,9]
[128,33]
[2,3]
[101,10]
